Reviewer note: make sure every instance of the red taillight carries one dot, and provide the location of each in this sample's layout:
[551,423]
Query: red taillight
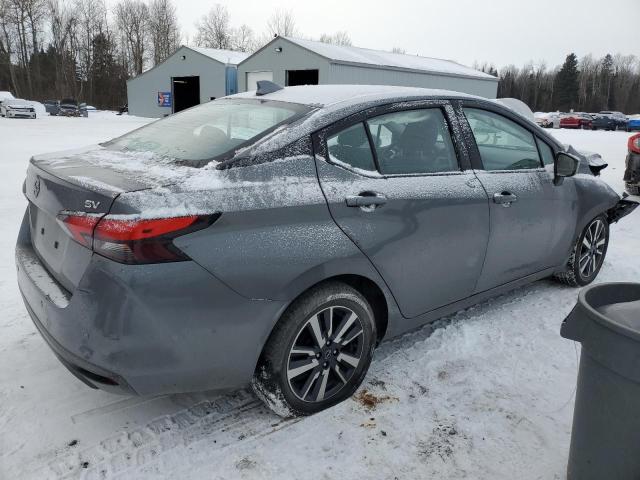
[134,241]
[634,143]
[79,226]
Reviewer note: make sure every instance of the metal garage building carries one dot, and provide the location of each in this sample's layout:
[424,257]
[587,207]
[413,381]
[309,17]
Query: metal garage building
[190,76]
[292,61]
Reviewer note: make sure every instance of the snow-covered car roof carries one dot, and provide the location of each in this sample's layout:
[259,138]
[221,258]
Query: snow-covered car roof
[328,95]
[4,95]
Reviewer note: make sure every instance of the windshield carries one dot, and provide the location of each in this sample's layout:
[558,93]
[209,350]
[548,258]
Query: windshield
[210,130]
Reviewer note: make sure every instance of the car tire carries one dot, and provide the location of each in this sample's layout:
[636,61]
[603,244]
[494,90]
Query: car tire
[318,353]
[587,255]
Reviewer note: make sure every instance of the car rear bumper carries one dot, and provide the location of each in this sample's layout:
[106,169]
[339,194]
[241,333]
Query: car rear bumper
[632,170]
[147,329]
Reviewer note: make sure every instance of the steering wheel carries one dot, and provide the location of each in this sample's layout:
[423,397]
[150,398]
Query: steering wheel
[524,163]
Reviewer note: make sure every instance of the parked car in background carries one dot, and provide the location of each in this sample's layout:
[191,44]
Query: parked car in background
[586,120]
[604,122]
[619,118]
[69,108]
[547,120]
[632,170]
[348,183]
[52,107]
[575,120]
[633,123]
[4,95]
[17,108]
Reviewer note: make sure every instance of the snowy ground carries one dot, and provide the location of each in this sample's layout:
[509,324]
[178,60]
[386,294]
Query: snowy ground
[487,393]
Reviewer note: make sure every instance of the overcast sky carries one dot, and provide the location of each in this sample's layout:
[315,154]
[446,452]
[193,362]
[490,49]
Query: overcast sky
[498,31]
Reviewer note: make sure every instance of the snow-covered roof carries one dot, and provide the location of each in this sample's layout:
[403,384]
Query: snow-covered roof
[364,56]
[223,56]
[325,95]
[4,95]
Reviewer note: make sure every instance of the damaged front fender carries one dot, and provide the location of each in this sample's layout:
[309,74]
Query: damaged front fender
[621,209]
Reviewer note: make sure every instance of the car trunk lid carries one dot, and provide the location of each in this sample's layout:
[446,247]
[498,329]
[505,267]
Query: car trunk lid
[61,183]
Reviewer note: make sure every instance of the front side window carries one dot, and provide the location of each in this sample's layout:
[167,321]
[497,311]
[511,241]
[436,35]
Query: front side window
[351,147]
[209,130]
[413,141]
[545,152]
[503,144]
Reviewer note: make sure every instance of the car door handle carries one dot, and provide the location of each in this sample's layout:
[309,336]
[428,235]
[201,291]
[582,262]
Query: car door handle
[505,198]
[366,199]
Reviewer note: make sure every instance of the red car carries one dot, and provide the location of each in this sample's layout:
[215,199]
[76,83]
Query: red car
[576,120]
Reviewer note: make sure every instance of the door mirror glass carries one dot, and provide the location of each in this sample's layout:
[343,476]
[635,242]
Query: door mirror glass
[565,165]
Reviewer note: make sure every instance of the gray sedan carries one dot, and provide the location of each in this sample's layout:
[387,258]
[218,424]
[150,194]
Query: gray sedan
[276,237]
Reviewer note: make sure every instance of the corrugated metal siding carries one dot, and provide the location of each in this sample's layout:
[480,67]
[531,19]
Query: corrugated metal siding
[348,74]
[292,57]
[142,91]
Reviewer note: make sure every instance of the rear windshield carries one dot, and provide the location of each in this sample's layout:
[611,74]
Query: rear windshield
[209,131]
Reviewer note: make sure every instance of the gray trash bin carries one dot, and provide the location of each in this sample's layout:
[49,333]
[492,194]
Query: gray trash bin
[605,440]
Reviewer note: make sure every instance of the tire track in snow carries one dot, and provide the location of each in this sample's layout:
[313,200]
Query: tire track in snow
[155,448]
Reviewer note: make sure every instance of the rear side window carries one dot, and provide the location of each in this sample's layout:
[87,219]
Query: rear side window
[545,152]
[351,147]
[413,141]
[503,144]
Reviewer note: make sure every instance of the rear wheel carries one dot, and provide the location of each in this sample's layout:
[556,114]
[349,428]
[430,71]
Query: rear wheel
[318,353]
[588,254]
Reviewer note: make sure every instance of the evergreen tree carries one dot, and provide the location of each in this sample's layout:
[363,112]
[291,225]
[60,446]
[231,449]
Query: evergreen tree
[566,87]
[606,77]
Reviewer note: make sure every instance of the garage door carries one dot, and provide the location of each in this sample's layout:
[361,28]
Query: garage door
[254,77]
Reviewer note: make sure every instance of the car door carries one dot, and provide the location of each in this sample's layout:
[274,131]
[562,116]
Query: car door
[400,186]
[521,196]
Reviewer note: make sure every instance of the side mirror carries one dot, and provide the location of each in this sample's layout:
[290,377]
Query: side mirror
[565,166]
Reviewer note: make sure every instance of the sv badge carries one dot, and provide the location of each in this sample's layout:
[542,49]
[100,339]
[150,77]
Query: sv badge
[91,204]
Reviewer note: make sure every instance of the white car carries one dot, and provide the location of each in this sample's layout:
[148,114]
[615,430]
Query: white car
[17,108]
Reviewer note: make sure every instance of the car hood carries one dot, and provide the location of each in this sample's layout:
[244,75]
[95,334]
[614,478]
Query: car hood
[18,105]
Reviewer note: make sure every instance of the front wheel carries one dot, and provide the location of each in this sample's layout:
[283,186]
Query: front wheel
[318,353]
[588,254]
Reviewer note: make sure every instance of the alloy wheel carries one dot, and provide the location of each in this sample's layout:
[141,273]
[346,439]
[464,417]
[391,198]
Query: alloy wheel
[325,354]
[592,248]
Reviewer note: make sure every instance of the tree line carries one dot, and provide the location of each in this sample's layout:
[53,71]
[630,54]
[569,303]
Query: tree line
[583,85]
[84,50]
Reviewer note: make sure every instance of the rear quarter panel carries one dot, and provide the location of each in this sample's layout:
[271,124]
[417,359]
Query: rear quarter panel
[275,237]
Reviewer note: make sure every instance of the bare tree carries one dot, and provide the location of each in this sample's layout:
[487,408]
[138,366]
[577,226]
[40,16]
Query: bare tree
[282,24]
[243,39]
[61,23]
[7,41]
[338,38]
[213,30]
[132,20]
[398,50]
[165,32]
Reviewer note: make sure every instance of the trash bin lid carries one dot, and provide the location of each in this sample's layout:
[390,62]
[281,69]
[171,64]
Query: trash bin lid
[624,313]
[606,321]
[615,306]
